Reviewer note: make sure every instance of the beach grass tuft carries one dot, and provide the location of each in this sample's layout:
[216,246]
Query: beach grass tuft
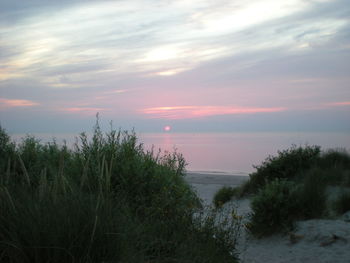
[106,199]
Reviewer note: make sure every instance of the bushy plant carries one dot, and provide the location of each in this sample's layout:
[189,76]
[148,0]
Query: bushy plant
[342,204]
[280,203]
[72,227]
[335,165]
[225,194]
[312,195]
[105,200]
[292,185]
[7,148]
[275,208]
[338,158]
[286,165]
[346,178]
[226,229]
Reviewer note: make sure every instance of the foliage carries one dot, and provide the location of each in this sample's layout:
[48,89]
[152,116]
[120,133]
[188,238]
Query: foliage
[105,200]
[293,186]
[275,208]
[342,204]
[205,246]
[335,167]
[224,195]
[280,203]
[335,158]
[312,196]
[286,165]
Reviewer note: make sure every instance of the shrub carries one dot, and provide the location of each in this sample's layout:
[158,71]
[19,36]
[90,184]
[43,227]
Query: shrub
[105,200]
[275,208]
[286,165]
[224,195]
[346,178]
[293,186]
[342,204]
[75,226]
[339,158]
[335,164]
[204,247]
[312,196]
[7,150]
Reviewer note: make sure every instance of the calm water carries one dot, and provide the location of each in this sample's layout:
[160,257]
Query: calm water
[238,152]
[227,152]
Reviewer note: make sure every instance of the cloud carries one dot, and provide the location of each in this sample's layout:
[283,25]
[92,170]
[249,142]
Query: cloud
[127,37]
[14,103]
[122,56]
[189,112]
[339,104]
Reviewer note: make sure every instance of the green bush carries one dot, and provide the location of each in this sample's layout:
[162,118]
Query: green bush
[275,208]
[293,185]
[41,227]
[224,195]
[335,164]
[312,196]
[7,149]
[280,203]
[286,165]
[342,204]
[346,178]
[335,158]
[105,200]
[209,221]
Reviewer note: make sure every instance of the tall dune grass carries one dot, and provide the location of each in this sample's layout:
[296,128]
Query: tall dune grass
[105,200]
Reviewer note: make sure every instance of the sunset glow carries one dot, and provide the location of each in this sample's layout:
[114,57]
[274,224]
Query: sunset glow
[187,112]
[10,103]
[197,62]
[342,103]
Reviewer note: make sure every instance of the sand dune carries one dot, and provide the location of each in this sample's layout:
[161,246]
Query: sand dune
[313,241]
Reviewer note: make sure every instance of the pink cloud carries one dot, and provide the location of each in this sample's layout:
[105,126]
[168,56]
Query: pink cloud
[341,103]
[187,112]
[11,103]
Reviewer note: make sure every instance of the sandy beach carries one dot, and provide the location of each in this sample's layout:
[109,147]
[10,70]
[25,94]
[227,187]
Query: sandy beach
[315,241]
[207,183]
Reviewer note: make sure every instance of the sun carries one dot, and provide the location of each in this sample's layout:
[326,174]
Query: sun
[167,128]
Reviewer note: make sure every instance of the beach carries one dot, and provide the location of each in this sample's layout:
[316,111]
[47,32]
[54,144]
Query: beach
[315,241]
[207,183]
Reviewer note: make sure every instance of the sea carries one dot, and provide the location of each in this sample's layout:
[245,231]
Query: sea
[233,153]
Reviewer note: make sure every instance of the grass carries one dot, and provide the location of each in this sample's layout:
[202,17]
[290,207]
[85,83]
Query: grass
[312,195]
[107,199]
[275,208]
[224,195]
[342,204]
[292,186]
[286,165]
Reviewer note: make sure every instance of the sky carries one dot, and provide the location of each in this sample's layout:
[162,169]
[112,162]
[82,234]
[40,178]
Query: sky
[192,65]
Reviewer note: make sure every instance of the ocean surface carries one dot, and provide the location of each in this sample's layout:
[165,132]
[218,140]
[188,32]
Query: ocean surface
[225,152]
